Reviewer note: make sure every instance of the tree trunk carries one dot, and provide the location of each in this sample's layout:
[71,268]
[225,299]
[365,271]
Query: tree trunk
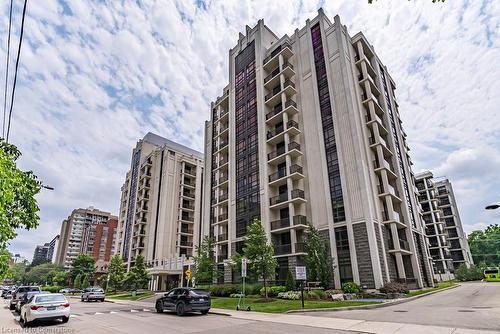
[265,287]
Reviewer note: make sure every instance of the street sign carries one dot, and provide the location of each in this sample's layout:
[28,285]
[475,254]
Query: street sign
[243,267]
[300,273]
[188,274]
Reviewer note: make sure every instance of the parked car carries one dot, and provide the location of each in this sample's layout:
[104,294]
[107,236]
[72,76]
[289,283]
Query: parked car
[182,300]
[93,294]
[70,290]
[45,306]
[19,293]
[24,299]
[7,291]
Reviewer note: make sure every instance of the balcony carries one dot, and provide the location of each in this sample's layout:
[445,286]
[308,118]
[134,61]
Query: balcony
[278,178]
[362,81]
[185,243]
[300,221]
[222,217]
[281,173]
[223,179]
[280,223]
[190,172]
[387,166]
[282,200]
[300,247]
[274,77]
[282,249]
[278,156]
[223,197]
[188,194]
[223,97]
[222,237]
[140,233]
[221,258]
[187,206]
[222,162]
[189,219]
[393,217]
[187,230]
[404,247]
[223,144]
[272,60]
[278,199]
[274,96]
[389,191]
[372,98]
[277,134]
[290,108]
[359,60]
[378,121]
[379,141]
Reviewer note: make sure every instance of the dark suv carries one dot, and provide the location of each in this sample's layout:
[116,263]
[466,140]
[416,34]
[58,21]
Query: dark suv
[182,300]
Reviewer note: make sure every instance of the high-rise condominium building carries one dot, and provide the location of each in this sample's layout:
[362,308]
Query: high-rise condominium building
[308,131]
[47,251]
[160,208]
[459,246]
[104,244]
[78,234]
[439,246]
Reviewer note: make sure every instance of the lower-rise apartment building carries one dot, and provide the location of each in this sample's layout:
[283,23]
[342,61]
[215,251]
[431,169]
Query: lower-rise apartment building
[437,235]
[77,234]
[458,244]
[160,209]
[308,131]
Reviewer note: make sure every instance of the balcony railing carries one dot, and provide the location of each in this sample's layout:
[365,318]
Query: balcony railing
[222,237]
[223,179]
[274,91]
[292,124]
[288,83]
[187,206]
[278,175]
[222,217]
[297,193]
[296,169]
[274,132]
[187,230]
[279,108]
[278,199]
[299,220]
[276,153]
[272,74]
[403,244]
[293,146]
[276,51]
[186,243]
[223,197]
[222,144]
[280,223]
[282,249]
[299,247]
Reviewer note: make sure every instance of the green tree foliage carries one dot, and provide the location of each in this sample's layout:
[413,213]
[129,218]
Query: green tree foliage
[318,260]
[290,281]
[42,273]
[473,273]
[59,277]
[485,245]
[204,262]
[138,276]
[4,264]
[259,253]
[116,272]
[78,282]
[18,273]
[86,283]
[38,261]
[83,265]
[18,206]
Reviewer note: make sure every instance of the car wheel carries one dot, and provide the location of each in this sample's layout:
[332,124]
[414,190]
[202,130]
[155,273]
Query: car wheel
[82,299]
[159,307]
[12,307]
[180,308]
[24,322]
[204,312]
[65,319]
[102,300]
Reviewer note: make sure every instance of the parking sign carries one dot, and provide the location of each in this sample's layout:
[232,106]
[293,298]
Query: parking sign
[243,267]
[300,273]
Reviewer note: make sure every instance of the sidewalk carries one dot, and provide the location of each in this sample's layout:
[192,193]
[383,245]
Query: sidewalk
[7,321]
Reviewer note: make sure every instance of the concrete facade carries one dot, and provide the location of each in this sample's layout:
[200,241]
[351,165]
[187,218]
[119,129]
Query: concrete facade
[308,131]
[160,208]
[78,233]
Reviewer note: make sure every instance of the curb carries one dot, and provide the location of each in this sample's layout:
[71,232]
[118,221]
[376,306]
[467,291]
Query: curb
[367,307]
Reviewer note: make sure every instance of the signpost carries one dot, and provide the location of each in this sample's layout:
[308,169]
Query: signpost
[188,275]
[301,275]
[243,276]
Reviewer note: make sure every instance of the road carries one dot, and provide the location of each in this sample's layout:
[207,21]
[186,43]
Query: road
[471,305]
[97,318]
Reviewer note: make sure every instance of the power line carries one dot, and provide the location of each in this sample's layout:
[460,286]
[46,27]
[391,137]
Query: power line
[6,72]
[15,71]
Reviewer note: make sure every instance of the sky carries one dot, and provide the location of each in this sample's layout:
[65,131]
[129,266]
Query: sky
[96,76]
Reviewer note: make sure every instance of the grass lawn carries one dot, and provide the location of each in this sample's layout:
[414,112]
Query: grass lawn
[127,295]
[282,305]
[440,285]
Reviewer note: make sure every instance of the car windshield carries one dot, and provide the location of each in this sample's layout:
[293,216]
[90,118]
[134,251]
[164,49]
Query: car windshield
[198,292]
[98,290]
[50,298]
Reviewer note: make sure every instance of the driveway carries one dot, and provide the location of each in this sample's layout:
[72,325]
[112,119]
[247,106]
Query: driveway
[471,305]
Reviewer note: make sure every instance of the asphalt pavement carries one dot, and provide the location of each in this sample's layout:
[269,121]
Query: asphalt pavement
[471,305]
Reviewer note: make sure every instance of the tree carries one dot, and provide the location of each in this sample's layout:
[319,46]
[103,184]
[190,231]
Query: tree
[39,261]
[485,245]
[59,277]
[86,283]
[138,276]
[78,282]
[83,265]
[259,253]
[116,272]
[18,206]
[318,259]
[204,262]
[18,273]
[4,264]
[42,273]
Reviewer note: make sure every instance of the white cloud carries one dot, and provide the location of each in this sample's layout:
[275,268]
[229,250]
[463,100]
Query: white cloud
[96,76]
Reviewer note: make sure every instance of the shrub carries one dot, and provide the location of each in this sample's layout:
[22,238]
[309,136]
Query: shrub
[272,291]
[313,296]
[52,288]
[291,295]
[252,288]
[332,292]
[350,287]
[474,273]
[236,295]
[394,287]
[320,293]
[224,290]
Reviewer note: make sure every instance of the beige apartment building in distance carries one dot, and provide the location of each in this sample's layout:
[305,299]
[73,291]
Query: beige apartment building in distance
[308,131]
[77,234]
[160,209]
